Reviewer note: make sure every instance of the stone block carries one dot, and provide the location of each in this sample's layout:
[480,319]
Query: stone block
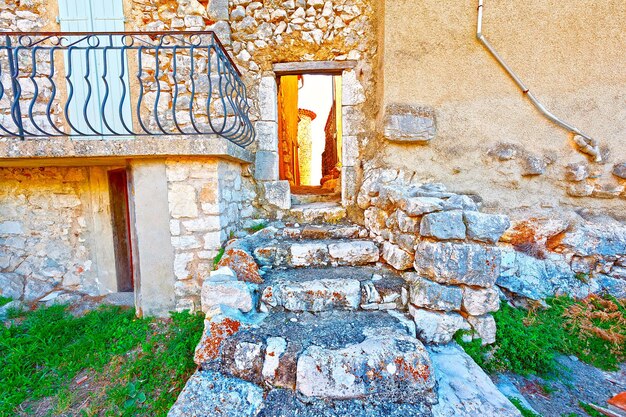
[460,202]
[309,254]
[11,285]
[458,263]
[417,206]
[407,224]
[396,257]
[480,301]
[267,135]
[353,92]
[484,327]
[486,228]
[382,367]
[227,292]
[182,201]
[409,124]
[375,220]
[10,227]
[278,193]
[217,9]
[268,99]
[354,252]
[433,296]
[619,170]
[206,392]
[437,327]
[314,296]
[443,225]
[578,171]
[350,151]
[354,122]
[266,166]
[349,184]
[242,263]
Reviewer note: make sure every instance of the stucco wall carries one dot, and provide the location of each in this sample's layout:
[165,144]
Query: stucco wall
[569,53]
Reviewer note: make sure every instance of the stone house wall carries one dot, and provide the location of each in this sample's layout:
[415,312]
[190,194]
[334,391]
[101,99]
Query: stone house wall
[209,201]
[479,134]
[54,225]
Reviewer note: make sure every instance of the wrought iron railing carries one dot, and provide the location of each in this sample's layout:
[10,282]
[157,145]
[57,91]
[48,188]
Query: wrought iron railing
[126,84]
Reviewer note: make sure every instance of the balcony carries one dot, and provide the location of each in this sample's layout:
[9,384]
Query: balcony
[148,86]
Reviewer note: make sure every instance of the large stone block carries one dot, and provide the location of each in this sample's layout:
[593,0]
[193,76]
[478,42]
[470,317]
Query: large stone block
[485,227]
[443,225]
[278,193]
[384,367]
[309,254]
[437,327]
[267,135]
[213,394]
[225,290]
[11,285]
[314,296]
[458,263]
[464,389]
[182,201]
[352,90]
[480,301]
[354,252]
[396,257]
[431,295]
[416,206]
[404,123]
[268,99]
[266,166]
[484,327]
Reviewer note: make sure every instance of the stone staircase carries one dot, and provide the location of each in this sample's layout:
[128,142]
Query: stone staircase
[325,332]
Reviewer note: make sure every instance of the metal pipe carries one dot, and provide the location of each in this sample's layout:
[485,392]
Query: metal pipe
[585,143]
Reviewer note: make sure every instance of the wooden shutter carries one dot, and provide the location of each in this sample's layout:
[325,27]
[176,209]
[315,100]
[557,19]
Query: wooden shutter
[95,16]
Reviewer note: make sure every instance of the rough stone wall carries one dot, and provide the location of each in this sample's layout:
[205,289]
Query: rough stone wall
[209,200]
[45,240]
[489,139]
[539,253]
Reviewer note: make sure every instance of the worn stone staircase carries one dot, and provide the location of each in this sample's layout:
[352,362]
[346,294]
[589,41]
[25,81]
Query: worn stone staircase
[321,329]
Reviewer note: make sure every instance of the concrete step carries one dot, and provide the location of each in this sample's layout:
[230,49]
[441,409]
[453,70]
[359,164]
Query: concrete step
[332,355]
[311,252]
[339,288]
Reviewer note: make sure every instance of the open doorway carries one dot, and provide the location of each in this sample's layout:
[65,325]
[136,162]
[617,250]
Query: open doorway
[120,219]
[309,132]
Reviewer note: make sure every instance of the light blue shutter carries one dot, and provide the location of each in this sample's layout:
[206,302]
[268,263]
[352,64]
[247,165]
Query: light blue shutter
[95,16]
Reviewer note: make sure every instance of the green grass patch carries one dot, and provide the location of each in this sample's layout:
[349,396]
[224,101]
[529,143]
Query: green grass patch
[218,257]
[257,227]
[590,410]
[136,367]
[5,300]
[525,411]
[527,342]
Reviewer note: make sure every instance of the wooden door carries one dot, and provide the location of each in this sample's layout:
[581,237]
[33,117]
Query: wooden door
[120,219]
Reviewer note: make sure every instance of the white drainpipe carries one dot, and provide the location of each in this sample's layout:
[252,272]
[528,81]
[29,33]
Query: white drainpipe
[585,143]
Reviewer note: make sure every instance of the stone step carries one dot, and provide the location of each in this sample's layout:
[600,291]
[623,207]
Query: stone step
[334,355]
[311,252]
[326,197]
[339,288]
[320,212]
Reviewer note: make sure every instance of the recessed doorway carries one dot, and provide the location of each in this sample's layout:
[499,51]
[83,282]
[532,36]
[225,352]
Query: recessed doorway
[120,219]
[309,133]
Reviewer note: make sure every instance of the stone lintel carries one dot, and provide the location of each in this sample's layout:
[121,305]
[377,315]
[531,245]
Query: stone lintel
[81,152]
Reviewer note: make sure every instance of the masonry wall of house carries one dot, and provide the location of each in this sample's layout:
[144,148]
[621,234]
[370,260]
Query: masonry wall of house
[209,200]
[475,131]
[55,232]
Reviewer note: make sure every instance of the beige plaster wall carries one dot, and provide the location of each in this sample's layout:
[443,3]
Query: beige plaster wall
[571,54]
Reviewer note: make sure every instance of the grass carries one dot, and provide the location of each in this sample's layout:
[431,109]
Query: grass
[527,342]
[5,301]
[257,227]
[525,411]
[133,367]
[590,410]
[218,257]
